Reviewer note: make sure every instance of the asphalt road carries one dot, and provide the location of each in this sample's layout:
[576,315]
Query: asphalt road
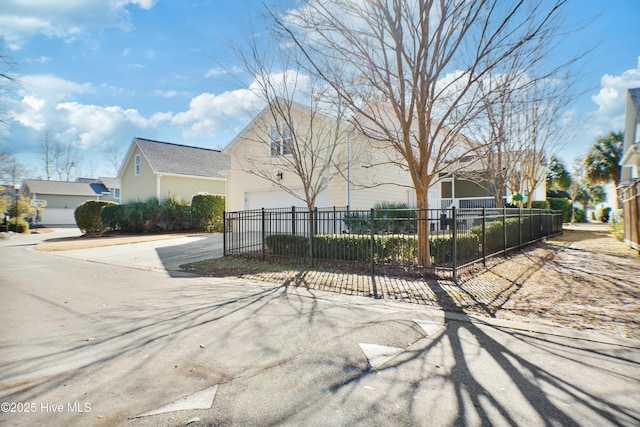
[104,336]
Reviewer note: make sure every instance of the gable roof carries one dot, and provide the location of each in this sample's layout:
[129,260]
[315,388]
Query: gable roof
[176,159]
[61,188]
[109,182]
[266,114]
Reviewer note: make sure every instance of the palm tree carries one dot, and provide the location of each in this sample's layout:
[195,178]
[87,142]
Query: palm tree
[602,164]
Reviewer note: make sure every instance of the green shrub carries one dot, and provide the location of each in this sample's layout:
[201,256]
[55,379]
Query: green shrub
[345,247]
[18,225]
[541,204]
[135,217]
[358,222]
[561,204]
[579,215]
[518,231]
[395,218]
[176,214]
[287,245]
[603,213]
[207,211]
[88,216]
[617,224]
[113,217]
[388,248]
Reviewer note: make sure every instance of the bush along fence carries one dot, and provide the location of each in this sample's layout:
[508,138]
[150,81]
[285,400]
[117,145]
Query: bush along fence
[386,240]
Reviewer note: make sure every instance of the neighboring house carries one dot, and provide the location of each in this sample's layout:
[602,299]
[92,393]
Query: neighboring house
[155,169]
[370,175]
[105,187]
[61,198]
[630,178]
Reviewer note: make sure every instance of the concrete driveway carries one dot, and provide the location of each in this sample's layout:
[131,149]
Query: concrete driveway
[161,255]
[93,341]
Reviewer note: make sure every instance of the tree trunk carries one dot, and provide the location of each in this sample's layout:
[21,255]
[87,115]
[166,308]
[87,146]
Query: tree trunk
[424,249]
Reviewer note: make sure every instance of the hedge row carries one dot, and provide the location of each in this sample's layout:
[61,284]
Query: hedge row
[204,213]
[388,248]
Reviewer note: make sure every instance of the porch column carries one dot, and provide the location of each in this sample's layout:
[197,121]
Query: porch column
[158,178]
[454,200]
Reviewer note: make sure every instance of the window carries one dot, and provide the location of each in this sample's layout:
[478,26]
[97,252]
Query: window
[281,140]
[137,164]
[116,193]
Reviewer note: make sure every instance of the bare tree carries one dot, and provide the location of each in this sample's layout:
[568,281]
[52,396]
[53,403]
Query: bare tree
[411,71]
[65,160]
[114,157]
[304,139]
[543,117]
[7,78]
[46,153]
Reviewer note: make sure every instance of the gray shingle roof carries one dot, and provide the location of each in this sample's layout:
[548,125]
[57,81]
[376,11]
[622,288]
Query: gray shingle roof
[109,182]
[166,157]
[62,188]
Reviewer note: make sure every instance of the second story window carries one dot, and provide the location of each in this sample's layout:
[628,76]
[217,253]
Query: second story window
[137,164]
[281,140]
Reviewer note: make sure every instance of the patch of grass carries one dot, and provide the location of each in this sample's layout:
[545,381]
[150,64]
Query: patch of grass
[236,266]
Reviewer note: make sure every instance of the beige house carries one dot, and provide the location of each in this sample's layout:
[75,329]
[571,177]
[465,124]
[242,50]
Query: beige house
[156,169]
[262,176]
[61,198]
[361,173]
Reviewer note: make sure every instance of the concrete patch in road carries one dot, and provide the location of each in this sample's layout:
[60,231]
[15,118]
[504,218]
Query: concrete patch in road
[378,355]
[430,327]
[200,400]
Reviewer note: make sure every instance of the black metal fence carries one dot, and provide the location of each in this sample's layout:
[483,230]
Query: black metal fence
[386,241]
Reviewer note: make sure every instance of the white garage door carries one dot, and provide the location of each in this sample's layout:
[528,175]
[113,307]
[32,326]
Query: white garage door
[278,222]
[279,199]
[52,216]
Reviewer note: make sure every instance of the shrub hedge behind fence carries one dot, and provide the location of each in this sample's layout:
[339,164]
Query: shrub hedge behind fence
[457,238]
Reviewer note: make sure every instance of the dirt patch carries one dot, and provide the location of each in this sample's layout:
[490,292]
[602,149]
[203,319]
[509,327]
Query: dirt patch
[584,279]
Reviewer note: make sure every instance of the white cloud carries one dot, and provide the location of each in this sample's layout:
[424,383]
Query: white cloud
[219,71]
[96,126]
[52,88]
[611,101]
[170,93]
[21,19]
[208,113]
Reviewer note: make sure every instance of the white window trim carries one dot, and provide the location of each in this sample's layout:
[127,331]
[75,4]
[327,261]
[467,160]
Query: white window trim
[280,137]
[138,164]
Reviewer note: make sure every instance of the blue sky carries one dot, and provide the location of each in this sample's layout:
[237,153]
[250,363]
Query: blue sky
[96,73]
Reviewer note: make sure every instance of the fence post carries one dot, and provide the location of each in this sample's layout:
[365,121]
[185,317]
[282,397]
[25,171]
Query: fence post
[539,234]
[224,233]
[312,233]
[504,229]
[454,245]
[264,235]
[531,224]
[484,236]
[373,236]
[293,220]
[519,228]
